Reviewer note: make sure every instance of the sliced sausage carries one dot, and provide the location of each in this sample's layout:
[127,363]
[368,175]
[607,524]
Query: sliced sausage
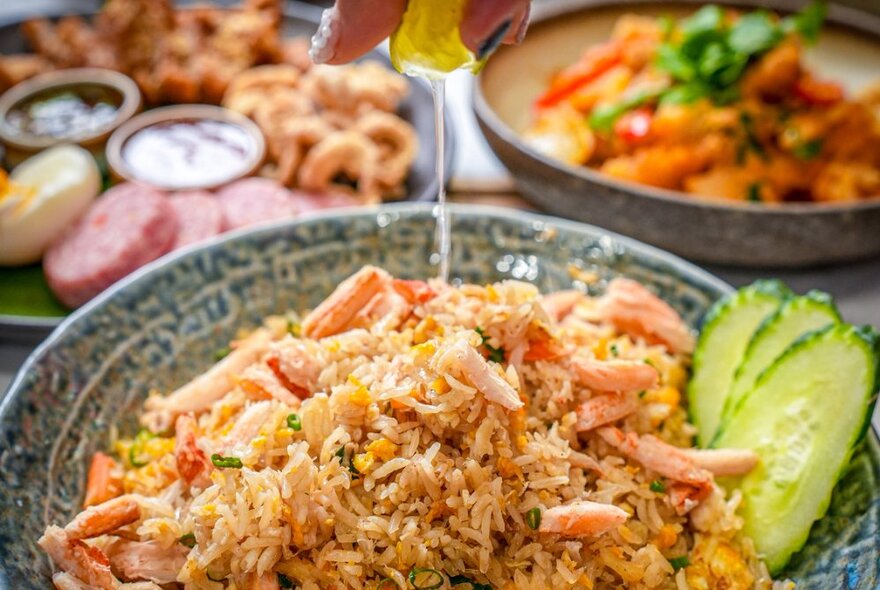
[128,227]
[199,217]
[254,200]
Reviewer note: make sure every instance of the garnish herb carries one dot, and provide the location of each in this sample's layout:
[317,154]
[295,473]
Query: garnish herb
[679,562]
[533,518]
[294,422]
[284,581]
[294,328]
[754,192]
[188,540]
[341,454]
[387,584]
[642,393]
[222,462]
[614,350]
[808,149]
[657,486]
[495,354]
[459,579]
[650,362]
[135,452]
[706,56]
[221,353]
[425,578]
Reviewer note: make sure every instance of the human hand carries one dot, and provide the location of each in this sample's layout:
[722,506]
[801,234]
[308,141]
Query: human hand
[352,27]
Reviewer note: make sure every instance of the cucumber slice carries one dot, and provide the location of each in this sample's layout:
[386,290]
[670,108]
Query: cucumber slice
[804,418]
[726,332]
[793,319]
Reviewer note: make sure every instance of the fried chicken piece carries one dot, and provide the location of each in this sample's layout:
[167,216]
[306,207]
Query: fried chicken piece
[20,67]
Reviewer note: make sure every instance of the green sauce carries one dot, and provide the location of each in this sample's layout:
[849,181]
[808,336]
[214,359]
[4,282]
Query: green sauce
[66,112]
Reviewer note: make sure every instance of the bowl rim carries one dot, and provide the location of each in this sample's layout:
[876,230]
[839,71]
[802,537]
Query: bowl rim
[179,112]
[552,10]
[145,274]
[72,77]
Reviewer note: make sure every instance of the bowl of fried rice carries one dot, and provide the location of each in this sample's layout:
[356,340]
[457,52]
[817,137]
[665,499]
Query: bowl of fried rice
[305,406]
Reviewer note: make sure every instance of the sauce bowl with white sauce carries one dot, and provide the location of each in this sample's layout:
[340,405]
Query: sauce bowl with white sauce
[186,147]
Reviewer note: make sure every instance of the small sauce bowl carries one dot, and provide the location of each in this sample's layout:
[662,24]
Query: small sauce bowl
[81,106]
[186,147]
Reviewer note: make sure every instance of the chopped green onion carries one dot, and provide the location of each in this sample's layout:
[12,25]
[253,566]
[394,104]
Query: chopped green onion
[284,581]
[425,578]
[221,353]
[642,393]
[657,486]
[614,350]
[533,518]
[387,584]
[679,562]
[294,422]
[808,22]
[754,193]
[808,150]
[650,362]
[135,452]
[495,354]
[226,462]
[459,579]
[294,328]
[188,540]
[341,454]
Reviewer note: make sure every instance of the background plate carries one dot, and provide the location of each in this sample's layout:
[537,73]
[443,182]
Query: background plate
[794,235]
[28,311]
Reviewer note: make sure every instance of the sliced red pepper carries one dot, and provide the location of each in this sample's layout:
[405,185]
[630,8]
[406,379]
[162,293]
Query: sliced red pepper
[634,126]
[297,390]
[414,291]
[818,92]
[595,62]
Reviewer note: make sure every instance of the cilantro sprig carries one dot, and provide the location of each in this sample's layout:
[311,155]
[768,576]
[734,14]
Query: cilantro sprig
[706,55]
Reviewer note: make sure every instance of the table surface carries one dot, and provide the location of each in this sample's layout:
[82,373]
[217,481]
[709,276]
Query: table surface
[478,176]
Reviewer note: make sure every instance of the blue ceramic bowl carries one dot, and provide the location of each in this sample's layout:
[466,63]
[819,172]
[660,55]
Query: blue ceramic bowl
[160,326]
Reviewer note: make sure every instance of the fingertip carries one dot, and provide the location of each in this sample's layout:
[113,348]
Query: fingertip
[356,27]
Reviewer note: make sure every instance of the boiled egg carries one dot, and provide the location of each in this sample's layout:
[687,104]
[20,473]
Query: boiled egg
[41,198]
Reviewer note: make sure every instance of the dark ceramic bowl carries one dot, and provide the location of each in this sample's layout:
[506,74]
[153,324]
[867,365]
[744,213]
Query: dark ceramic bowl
[163,324]
[792,235]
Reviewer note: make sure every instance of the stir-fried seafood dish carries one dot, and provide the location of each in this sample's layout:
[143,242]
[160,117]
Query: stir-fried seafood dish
[407,434]
[721,104]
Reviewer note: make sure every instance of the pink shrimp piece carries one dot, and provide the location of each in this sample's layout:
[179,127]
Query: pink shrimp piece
[485,379]
[665,459]
[582,519]
[199,394]
[82,562]
[561,303]
[604,409]
[633,309]
[104,518]
[614,375]
[192,462]
[388,308]
[147,560]
[262,381]
[724,462]
[414,291]
[295,368]
[336,312]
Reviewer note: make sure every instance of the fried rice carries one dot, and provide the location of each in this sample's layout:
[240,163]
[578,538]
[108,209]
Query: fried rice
[421,435]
